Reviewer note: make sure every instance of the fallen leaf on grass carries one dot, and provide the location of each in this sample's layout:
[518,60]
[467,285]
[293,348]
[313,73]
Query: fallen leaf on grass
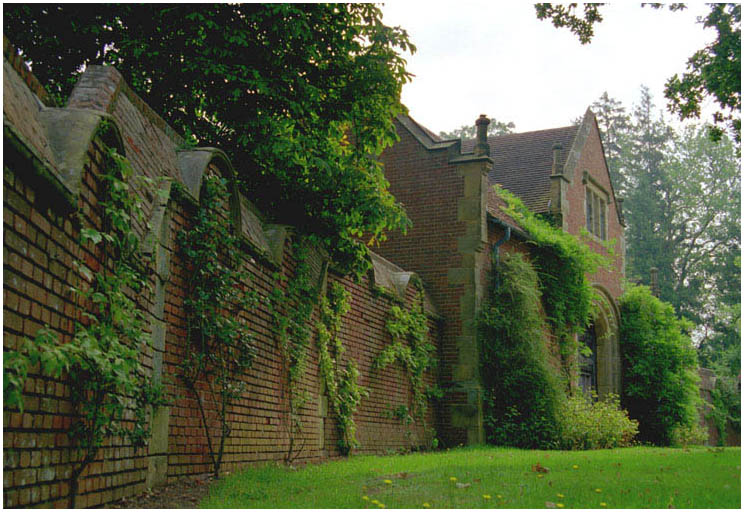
[550,504]
[462,486]
[538,468]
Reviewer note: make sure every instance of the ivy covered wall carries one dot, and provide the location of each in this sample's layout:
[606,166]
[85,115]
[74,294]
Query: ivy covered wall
[52,208]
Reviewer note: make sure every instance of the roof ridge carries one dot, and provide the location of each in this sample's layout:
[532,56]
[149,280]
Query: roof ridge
[526,133]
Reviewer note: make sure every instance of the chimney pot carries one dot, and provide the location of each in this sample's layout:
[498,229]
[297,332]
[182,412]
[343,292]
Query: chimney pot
[482,147]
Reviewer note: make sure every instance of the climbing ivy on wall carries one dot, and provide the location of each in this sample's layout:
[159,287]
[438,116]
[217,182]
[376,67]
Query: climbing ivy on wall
[102,364]
[522,391]
[291,309]
[525,403]
[341,382]
[563,263]
[412,349]
[220,346]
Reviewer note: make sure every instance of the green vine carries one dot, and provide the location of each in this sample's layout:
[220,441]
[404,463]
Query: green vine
[109,385]
[291,310]
[412,349]
[523,394]
[221,348]
[562,263]
[341,383]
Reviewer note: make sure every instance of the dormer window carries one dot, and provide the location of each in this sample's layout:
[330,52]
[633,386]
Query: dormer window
[595,208]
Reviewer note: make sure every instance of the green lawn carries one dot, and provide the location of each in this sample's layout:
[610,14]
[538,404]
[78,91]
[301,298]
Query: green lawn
[485,477]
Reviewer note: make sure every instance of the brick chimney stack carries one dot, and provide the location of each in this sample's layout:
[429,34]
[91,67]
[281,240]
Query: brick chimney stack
[482,147]
[556,149]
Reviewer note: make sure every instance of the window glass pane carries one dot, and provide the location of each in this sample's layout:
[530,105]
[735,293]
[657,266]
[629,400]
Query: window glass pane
[596,210]
[602,219]
[588,200]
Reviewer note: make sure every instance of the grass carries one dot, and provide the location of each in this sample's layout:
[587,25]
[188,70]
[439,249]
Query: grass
[487,477]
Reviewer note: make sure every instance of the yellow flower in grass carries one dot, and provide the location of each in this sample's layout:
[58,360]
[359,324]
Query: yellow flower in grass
[380,505]
[539,475]
[559,495]
[598,491]
[575,467]
[499,496]
[366,498]
[426,505]
[486,496]
[603,504]
[388,482]
[559,505]
[453,479]
[375,502]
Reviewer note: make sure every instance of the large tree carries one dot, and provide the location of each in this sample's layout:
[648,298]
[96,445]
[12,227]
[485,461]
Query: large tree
[302,97]
[613,122]
[713,72]
[682,208]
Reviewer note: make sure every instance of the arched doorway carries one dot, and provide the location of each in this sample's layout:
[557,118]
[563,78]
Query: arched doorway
[588,361]
[601,370]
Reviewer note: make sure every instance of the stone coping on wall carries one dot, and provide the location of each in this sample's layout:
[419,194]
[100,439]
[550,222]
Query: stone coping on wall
[393,281]
[59,137]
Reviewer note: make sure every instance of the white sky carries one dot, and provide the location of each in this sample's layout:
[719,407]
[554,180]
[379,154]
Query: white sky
[497,58]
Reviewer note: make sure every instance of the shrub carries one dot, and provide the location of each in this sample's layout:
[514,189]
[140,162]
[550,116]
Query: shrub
[522,392]
[725,400]
[685,435]
[660,379]
[589,425]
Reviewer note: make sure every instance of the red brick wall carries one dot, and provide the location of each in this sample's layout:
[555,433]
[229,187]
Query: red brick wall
[592,161]
[429,189]
[40,246]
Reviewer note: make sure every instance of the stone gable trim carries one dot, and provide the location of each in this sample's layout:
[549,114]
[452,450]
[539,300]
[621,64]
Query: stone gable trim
[393,282]
[68,133]
[18,148]
[423,137]
[589,122]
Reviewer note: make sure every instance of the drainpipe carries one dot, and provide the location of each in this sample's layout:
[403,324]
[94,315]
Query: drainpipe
[509,232]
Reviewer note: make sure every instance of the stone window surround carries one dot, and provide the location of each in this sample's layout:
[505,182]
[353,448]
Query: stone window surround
[592,187]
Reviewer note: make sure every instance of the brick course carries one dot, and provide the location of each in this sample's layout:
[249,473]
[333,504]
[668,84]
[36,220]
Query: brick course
[41,244]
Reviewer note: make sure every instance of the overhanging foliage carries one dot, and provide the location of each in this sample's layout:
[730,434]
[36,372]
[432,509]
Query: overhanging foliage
[301,97]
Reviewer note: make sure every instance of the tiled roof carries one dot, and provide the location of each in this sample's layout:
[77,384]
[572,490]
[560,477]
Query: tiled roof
[522,162]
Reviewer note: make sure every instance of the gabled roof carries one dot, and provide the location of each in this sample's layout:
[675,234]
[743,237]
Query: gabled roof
[426,137]
[523,162]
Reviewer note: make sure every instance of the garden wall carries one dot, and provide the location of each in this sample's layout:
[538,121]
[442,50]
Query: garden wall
[52,165]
